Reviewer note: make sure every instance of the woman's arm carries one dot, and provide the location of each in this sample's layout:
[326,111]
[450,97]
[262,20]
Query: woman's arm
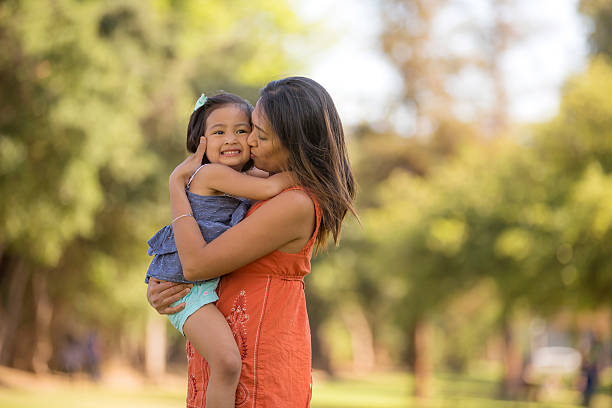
[286,218]
[222,178]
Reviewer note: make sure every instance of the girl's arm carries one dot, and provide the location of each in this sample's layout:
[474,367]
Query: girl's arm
[222,178]
[255,172]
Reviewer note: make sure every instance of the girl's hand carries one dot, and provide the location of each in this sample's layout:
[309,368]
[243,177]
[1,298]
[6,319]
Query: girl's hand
[183,171]
[255,172]
[161,294]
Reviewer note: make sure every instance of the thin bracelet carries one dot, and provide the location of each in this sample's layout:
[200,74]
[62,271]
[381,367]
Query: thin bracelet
[181,216]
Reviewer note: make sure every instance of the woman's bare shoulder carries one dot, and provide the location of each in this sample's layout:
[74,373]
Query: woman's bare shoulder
[295,207]
[293,202]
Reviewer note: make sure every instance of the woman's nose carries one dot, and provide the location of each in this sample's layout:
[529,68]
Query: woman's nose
[251,139]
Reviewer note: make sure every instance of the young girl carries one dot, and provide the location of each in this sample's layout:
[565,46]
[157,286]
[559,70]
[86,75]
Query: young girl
[213,191]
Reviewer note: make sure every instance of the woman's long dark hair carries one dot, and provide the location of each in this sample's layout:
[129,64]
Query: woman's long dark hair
[304,117]
[197,121]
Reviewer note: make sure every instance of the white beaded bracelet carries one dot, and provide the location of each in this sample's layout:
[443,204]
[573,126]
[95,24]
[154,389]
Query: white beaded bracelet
[181,216]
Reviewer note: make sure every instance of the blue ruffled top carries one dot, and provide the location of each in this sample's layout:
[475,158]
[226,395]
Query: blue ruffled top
[214,215]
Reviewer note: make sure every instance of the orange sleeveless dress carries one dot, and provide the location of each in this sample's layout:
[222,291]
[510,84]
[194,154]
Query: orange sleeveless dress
[265,307]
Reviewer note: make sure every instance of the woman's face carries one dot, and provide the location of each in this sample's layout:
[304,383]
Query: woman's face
[227,129]
[266,150]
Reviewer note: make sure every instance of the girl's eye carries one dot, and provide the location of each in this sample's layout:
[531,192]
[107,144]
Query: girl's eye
[241,131]
[218,132]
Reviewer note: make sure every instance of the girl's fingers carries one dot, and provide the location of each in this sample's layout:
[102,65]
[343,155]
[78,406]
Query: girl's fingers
[199,154]
[190,164]
[202,144]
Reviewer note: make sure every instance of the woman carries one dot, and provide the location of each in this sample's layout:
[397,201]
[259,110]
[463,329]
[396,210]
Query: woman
[295,127]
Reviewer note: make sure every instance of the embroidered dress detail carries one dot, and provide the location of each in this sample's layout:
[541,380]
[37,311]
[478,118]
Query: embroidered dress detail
[237,320]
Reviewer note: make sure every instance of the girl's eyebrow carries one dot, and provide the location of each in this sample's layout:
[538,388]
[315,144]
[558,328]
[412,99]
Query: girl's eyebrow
[224,125]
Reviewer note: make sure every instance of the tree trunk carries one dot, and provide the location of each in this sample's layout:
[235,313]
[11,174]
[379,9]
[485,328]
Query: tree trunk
[320,352]
[155,347]
[513,363]
[318,311]
[17,282]
[422,364]
[361,339]
[44,312]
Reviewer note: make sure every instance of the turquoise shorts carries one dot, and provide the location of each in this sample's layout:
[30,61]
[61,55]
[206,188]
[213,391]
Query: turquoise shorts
[200,294]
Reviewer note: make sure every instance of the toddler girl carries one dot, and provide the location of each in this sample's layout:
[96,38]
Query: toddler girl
[214,192]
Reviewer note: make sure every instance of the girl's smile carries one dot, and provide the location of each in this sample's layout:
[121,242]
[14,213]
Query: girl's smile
[230,153]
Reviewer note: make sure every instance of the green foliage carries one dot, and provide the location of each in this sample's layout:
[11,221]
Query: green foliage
[528,218]
[95,101]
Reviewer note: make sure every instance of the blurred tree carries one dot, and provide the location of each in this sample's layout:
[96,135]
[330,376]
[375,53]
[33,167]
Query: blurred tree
[439,45]
[426,41]
[96,97]
[530,217]
[600,14]
[451,213]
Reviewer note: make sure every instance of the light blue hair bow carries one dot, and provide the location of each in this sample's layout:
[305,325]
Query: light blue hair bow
[201,101]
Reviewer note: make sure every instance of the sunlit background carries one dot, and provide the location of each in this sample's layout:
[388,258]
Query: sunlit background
[480,132]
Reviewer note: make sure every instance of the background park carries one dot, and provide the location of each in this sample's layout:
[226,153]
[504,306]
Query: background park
[481,273]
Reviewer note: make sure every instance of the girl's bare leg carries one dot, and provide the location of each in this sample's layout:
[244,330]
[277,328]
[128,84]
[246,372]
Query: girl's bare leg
[211,336]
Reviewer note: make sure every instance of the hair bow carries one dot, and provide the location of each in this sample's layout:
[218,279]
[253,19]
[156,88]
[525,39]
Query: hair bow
[201,101]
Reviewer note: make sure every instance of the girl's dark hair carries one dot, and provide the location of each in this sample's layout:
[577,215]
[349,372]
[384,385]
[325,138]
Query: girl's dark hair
[197,121]
[304,117]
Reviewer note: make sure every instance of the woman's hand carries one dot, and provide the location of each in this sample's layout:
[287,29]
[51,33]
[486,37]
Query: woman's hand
[183,171]
[161,294]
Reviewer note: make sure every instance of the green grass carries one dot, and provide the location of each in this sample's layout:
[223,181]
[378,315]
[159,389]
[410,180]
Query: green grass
[91,397]
[385,390]
[393,390]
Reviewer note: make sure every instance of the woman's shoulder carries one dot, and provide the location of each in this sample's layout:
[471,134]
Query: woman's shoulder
[293,211]
[300,197]
[293,201]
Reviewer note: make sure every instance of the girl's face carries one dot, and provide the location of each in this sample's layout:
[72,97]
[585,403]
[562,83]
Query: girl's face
[227,129]
[266,150]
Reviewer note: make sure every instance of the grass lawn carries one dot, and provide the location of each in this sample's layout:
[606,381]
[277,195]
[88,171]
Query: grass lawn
[384,390]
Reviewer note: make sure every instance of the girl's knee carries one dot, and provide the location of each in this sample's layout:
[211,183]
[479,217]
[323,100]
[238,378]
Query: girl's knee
[228,366]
